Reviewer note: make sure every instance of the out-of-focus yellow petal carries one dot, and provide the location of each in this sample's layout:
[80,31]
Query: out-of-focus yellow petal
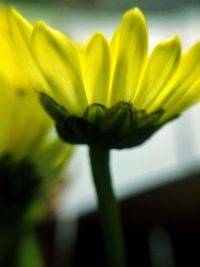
[129,53]
[5,117]
[59,61]
[160,69]
[25,126]
[185,76]
[96,69]
[28,122]
[45,156]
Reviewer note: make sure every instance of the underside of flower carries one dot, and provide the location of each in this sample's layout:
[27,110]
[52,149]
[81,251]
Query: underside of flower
[120,126]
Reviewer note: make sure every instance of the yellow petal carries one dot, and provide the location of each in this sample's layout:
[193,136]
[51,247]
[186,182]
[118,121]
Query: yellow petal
[160,69]
[189,98]
[96,68]
[20,27]
[21,31]
[8,64]
[186,75]
[129,52]
[58,59]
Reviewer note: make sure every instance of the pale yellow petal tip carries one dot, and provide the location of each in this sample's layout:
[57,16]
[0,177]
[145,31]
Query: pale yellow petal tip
[15,17]
[98,36]
[13,13]
[133,17]
[40,26]
[172,41]
[134,13]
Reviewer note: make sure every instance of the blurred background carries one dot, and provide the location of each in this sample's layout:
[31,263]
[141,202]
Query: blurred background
[175,149]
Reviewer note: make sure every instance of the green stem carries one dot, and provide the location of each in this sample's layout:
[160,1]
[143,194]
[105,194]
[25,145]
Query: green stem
[108,208]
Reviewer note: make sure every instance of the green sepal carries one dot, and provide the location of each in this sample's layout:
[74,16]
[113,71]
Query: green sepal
[56,111]
[143,119]
[120,126]
[75,130]
[95,113]
[117,119]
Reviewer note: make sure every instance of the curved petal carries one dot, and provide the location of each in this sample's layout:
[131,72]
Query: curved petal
[189,98]
[186,75]
[9,70]
[129,53]
[160,69]
[58,59]
[96,68]
[21,31]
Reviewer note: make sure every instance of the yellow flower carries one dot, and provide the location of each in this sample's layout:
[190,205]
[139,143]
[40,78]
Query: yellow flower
[108,93]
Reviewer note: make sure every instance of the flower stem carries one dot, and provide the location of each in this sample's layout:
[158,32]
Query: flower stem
[108,208]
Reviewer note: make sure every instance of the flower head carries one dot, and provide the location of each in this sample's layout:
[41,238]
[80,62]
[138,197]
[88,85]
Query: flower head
[108,93]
